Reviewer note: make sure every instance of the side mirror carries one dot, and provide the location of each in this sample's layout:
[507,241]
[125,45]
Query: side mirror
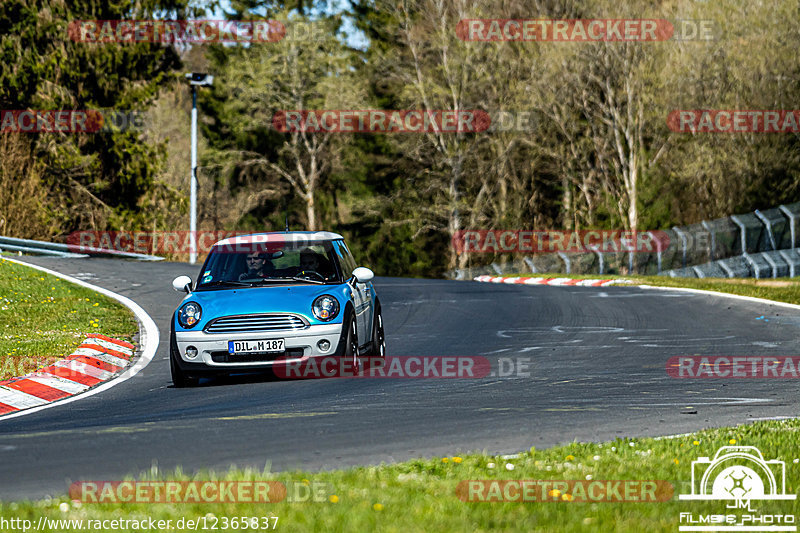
[182,284]
[363,274]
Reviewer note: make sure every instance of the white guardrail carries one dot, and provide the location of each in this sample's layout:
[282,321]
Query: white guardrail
[28,246]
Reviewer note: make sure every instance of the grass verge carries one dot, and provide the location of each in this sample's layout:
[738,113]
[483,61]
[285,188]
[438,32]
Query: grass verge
[420,495]
[44,318]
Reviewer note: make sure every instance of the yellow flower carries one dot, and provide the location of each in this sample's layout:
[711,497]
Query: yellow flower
[555,493]
[676,461]
[457,459]
[566,497]
[333,498]
[306,482]
[445,459]
[732,441]
[95,304]
[696,443]
[378,507]
[570,458]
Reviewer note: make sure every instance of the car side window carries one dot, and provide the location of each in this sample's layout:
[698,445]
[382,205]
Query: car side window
[346,259]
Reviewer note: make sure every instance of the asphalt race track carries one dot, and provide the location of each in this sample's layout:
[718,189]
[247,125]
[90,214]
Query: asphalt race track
[597,371]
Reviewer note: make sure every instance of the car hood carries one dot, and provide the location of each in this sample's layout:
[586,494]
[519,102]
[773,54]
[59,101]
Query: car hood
[272,299]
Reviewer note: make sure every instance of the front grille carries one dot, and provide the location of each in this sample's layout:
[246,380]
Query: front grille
[225,357]
[248,323]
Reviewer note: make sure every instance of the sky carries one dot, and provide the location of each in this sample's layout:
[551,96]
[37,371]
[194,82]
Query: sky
[353,36]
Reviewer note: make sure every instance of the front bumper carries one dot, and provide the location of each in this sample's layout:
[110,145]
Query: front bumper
[213,347]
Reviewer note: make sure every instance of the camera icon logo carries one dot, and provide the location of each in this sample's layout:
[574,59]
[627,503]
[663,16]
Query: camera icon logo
[738,473]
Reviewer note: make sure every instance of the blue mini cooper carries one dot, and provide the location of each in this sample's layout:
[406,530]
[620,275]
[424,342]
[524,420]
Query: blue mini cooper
[271,298]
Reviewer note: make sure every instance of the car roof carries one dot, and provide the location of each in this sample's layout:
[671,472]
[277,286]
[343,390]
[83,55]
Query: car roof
[280,237]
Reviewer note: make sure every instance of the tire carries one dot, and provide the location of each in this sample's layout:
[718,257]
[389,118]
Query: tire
[378,343]
[180,379]
[351,345]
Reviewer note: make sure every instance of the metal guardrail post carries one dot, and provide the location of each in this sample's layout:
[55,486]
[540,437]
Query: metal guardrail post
[713,240]
[601,263]
[743,231]
[658,251]
[566,260]
[768,225]
[752,264]
[682,235]
[792,223]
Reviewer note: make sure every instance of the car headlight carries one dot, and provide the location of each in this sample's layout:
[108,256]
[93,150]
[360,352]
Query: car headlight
[325,307]
[189,314]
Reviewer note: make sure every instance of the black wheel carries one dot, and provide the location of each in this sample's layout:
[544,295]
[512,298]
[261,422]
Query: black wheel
[180,379]
[351,346]
[378,344]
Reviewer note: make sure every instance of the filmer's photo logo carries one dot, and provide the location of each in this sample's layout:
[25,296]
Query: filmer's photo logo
[739,476]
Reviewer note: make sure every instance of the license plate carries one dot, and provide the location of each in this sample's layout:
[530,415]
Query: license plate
[270,346]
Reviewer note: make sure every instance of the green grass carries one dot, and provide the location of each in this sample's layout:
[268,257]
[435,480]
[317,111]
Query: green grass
[420,495]
[44,318]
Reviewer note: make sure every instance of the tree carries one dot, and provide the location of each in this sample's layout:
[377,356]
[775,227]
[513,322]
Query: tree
[96,179]
[290,75]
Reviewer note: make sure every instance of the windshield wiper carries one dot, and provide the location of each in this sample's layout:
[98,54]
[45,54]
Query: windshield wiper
[230,283]
[298,278]
[291,278]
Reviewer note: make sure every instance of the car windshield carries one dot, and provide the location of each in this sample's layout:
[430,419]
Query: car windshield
[273,263]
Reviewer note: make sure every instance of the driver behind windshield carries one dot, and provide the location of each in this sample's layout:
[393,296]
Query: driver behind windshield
[313,264]
[258,266]
[309,261]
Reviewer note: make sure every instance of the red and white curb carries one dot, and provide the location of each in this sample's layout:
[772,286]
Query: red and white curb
[565,282]
[97,359]
[95,347]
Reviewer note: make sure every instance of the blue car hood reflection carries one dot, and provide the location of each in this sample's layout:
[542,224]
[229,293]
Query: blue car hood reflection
[271,299]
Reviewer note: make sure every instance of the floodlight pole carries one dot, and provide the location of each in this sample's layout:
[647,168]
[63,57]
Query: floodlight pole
[193,182]
[196,79]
